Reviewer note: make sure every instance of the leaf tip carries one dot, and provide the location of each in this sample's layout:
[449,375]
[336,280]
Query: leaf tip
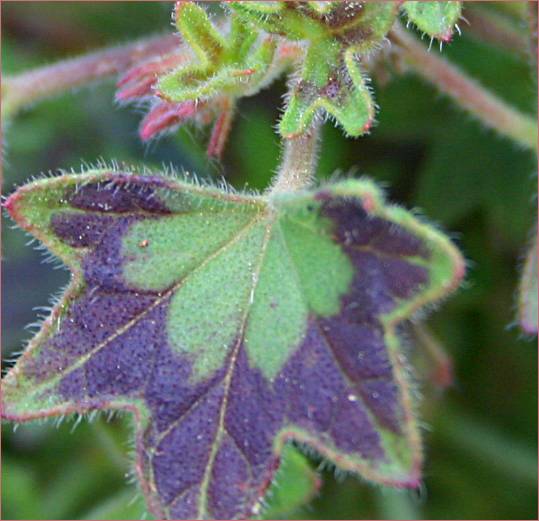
[12,205]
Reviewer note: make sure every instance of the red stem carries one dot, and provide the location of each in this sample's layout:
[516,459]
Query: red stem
[26,88]
[468,93]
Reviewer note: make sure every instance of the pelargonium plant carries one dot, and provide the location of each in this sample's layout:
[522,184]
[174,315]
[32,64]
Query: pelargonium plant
[233,324]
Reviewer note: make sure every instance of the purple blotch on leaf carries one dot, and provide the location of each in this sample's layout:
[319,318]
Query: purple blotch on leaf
[121,196]
[80,230]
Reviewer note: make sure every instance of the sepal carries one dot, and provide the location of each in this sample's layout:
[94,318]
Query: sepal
[330,83]
[437,19]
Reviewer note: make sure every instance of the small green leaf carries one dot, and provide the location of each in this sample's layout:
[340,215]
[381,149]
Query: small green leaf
[437,19]
[295,484]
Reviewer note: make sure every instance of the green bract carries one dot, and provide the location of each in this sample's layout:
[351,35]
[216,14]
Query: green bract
[330,79]
[332,38]
[238,63]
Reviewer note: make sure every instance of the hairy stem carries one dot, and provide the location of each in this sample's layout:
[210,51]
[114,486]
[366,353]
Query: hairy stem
[29,87]
[467,92]
[299,161]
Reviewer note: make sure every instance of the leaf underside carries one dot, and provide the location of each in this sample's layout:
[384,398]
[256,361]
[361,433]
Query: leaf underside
[230,325]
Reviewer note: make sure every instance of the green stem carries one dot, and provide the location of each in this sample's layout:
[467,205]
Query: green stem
[29,87]
[468,93]
[298,166]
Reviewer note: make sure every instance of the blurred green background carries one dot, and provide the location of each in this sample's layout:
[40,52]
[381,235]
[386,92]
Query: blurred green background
[480,436]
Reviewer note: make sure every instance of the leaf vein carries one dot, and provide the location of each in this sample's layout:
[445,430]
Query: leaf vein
[371,414]
[228,378]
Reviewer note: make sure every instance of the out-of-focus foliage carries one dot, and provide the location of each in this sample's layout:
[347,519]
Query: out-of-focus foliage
[481,452]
